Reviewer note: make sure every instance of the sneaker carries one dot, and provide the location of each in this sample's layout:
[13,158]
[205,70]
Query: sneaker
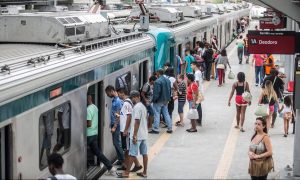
[242,130]
[169,131]
[256,85]
[111,172]
[153,132]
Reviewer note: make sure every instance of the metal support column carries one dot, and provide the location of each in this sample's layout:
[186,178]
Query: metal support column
[297,118]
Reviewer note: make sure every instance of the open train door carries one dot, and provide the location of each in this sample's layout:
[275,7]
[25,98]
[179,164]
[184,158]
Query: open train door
[6,151]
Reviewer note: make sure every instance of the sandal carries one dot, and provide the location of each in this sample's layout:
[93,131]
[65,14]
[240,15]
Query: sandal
[141,174]
[237,127]
[191,130]
[179,124]
[136,168]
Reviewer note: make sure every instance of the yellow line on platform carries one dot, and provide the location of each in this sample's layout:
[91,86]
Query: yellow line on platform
[159,144]
[230,146]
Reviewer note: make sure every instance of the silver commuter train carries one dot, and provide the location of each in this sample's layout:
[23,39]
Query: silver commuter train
[32,88]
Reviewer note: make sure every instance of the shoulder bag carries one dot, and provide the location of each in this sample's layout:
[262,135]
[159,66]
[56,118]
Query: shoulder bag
[262,110]
[199,98]
[262,166]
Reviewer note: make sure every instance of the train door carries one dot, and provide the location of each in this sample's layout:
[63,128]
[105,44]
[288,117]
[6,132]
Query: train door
[97,93]
[6,151]
[172,56]
[143,73]
[194,42]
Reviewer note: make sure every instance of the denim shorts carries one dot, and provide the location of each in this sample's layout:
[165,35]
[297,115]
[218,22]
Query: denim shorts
[150,110]
[180,106]
[140,145]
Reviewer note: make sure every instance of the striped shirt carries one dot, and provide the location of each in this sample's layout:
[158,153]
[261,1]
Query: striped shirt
[182,92]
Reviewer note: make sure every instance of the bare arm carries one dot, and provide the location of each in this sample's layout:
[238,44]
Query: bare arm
[260,98]
[268,145]
[231,93]
[88,123]
[135,130]
[128,122]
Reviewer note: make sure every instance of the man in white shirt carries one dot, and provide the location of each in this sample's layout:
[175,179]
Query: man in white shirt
[138,135]
[55,163]
[125,122]
[199,80]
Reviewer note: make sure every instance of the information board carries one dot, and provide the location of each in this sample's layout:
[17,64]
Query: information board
[271,42]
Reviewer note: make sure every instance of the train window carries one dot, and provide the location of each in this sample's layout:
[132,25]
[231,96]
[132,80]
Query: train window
[80,30]
[124,81]
[54,132]
[70,31]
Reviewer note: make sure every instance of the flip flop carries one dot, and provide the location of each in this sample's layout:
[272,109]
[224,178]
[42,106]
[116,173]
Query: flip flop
[141,174]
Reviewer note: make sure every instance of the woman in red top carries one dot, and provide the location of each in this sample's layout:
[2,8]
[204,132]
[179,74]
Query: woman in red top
[191,96]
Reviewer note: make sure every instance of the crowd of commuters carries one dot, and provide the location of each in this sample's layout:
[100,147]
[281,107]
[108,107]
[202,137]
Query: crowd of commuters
[135,114]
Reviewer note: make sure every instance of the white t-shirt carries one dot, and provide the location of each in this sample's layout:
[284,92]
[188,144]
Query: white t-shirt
[139,112]
[125,110]
[63,176]
[198,77]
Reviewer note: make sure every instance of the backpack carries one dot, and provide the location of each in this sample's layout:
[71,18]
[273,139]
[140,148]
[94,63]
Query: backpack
[126,100]
[141,90]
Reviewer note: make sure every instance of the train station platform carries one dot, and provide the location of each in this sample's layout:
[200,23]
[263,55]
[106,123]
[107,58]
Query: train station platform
[217,150]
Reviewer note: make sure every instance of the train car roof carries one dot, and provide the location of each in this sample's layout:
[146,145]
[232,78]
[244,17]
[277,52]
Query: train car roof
[29,74]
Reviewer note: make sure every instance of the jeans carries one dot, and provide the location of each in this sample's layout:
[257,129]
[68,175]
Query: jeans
[161,107]
[207,71]
[259,74]
[240,53]
[92,142]
[117,143]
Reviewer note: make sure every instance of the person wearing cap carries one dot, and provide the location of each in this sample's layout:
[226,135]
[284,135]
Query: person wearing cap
[138,135]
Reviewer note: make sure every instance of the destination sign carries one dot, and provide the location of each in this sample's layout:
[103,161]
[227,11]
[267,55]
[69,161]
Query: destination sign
[271,42]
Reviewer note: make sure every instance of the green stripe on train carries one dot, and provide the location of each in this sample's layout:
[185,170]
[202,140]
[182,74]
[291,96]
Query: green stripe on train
[30,101]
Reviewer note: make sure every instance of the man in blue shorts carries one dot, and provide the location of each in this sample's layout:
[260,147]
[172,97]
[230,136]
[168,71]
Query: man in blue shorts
[138,135]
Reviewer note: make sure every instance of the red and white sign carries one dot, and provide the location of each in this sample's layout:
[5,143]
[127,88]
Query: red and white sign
[271,42]
[272,24]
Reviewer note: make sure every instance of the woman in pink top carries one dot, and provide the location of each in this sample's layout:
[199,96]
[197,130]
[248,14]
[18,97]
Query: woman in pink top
[258,59]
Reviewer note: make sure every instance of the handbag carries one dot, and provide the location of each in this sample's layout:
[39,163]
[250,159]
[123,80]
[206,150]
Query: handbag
[246,95]
[262,110]
[261,167]
[231,75]
[220,66]
[192,114]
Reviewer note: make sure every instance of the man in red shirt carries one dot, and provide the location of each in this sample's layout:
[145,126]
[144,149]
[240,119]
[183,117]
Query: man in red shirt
[258,59]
